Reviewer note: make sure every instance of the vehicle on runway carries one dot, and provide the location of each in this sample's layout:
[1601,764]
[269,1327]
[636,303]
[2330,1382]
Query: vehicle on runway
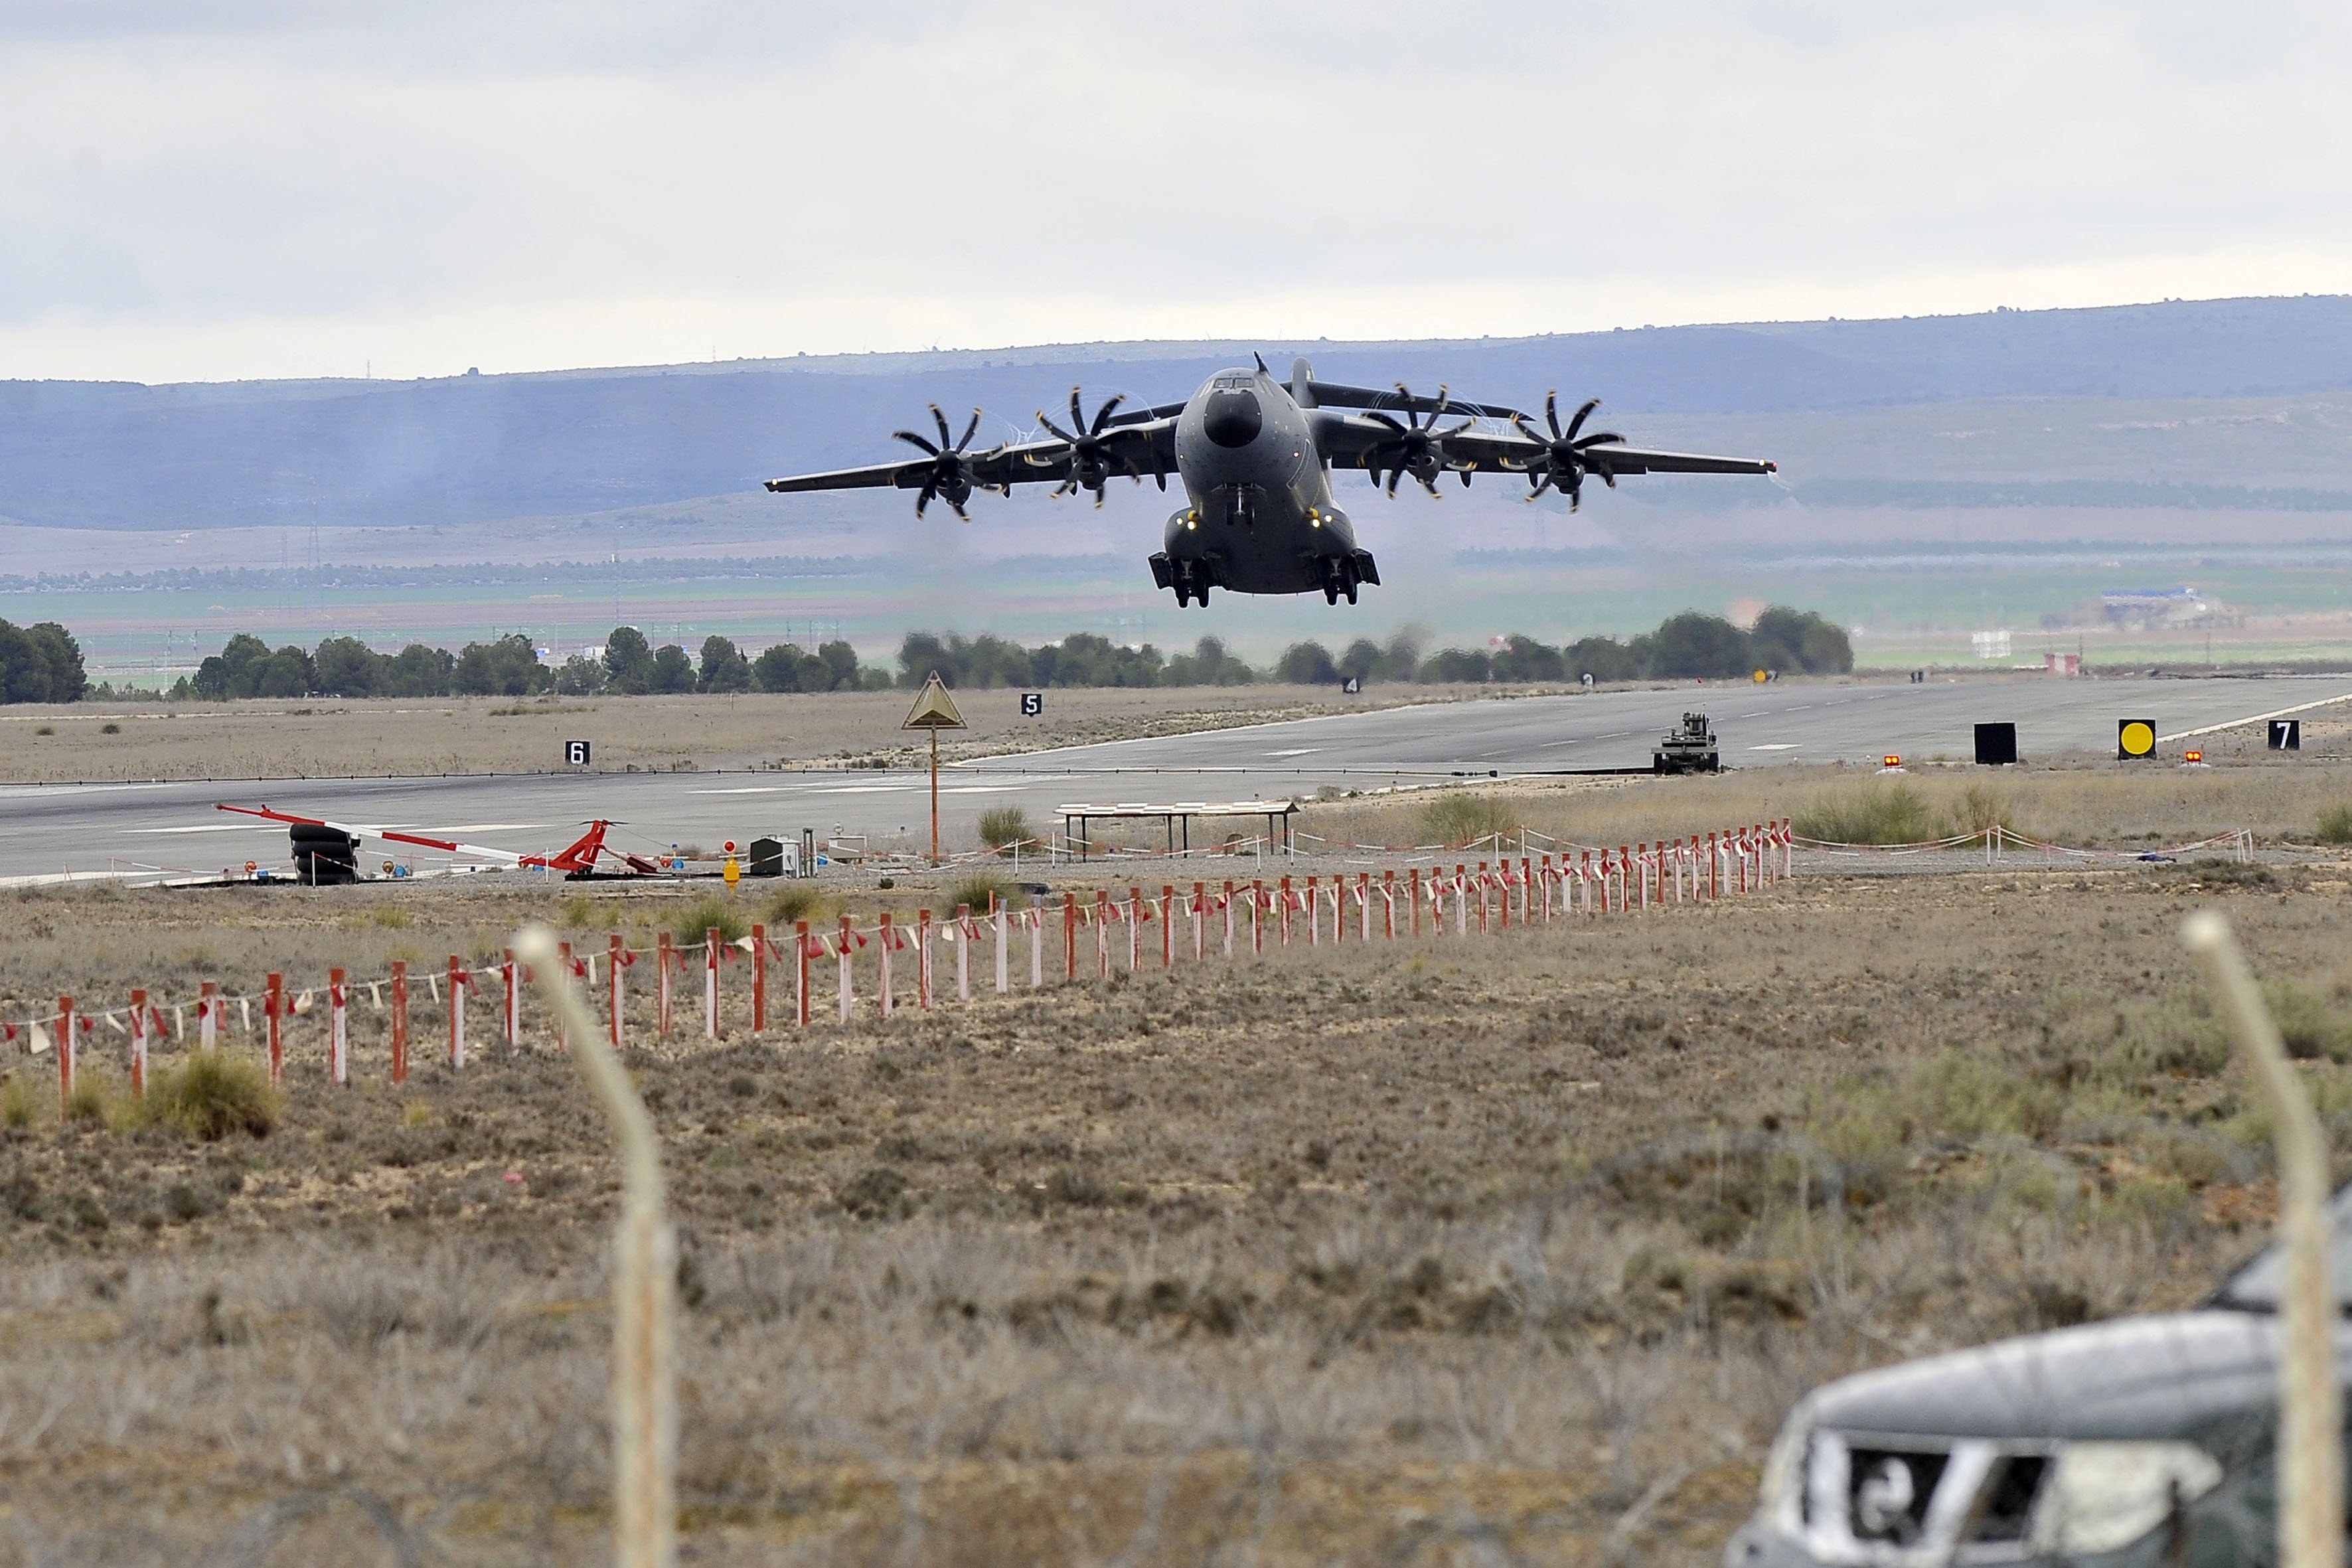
[327,853]
[1687,749]
[1255,456]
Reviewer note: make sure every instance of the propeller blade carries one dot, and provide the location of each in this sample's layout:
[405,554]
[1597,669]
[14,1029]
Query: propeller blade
[923,497]
[941,419]
[1379,418]
[1581,416]
[1078,414]
[1395,475]
[1599,439]
[958,509]
[968,430]
[1430,485]
[1541,485]
[1054,430]
[1099,498]
[1102,415]
[914,440]
[1465,476]
[1551,412]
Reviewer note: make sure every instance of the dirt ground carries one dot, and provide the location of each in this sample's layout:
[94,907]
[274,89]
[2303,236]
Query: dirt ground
[1514,1250]
[322,737]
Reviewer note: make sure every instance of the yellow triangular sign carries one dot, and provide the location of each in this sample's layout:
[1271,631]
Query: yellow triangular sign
[934,710]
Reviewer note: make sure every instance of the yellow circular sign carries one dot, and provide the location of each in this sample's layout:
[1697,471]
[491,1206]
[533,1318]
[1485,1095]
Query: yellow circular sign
[2138,738]
[1758,677]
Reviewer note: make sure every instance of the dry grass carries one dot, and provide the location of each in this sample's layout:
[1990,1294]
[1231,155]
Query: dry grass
[1227,1262]
[2089,803]
[324,736]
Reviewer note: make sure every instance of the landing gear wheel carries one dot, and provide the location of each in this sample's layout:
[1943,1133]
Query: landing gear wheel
[1351,593]
[1330,594]
[1202,595]
[1182,596]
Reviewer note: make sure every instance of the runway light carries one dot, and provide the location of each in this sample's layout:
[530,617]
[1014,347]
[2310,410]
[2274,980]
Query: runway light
[2192,757]
[1893,761]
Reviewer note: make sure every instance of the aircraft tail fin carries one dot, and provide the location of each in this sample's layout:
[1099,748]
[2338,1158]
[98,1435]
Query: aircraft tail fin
[1302,383]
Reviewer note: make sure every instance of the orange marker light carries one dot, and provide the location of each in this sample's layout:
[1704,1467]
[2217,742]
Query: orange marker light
[1893,761]
[2193,757]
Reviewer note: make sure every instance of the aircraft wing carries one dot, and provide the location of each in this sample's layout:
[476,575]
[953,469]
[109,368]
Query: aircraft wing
[1149,445]
[1616,459]
[905,476]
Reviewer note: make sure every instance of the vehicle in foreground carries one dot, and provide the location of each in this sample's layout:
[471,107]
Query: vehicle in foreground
[1254,456]
[2143,1441]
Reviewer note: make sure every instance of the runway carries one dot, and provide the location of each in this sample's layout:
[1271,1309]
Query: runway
[96,828]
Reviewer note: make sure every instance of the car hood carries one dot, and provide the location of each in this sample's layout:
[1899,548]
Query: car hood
[2133,1378]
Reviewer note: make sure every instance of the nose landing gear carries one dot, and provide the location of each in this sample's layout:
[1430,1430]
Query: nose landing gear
[1340,576]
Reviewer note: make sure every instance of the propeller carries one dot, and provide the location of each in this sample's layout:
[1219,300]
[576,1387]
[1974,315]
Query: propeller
[951,472]
[1090,458]
[1567,458]
[1415,447]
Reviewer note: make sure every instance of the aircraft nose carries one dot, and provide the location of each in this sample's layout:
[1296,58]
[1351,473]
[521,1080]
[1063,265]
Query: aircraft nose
[1233,417]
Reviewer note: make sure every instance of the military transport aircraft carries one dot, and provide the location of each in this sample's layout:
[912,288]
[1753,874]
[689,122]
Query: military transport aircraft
[1255,456]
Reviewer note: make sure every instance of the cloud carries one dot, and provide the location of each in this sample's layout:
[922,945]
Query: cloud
[225,189]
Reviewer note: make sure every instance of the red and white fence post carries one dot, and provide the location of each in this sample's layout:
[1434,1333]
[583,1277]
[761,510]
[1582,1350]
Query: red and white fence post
[460,981]
[1167,926]
[617,957]
[339,1038]
[67,1042]
[1102,934]
[1035,917]
[1070,936]
[923,959]
[714,949]
[848,999]
[759,978]
[208,1007]
[962,952]
[665,959]
[511,1001]
[399,1021]
[1200,922]
[273,1012]
[138,1019]
[997,913]
[889,940]
[1229,918]
[801,973]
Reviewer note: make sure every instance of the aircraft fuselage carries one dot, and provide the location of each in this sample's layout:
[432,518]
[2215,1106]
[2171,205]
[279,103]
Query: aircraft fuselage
[1260,518]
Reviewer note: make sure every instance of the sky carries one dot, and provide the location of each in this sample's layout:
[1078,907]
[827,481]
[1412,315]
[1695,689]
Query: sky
[226,189]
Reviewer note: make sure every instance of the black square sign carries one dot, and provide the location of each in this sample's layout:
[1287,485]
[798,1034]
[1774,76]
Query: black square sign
[1996,745]
[576,754]
[2286,734]
[1031,704]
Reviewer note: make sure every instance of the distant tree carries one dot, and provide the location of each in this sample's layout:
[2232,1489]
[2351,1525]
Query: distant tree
[724,668]
[1458,666]
[1400,660]
[1801,640]
[40,663]
[347,668]
[920,654]
[289,673]
[628,661]
[1603,659]
[579,675]
[233,672]
[1524,659]
[842,660]
[1692,645]
[417,670]
[1364,660]
[507,668]
[783,668]
[672,671]
[1306,664]
[1207,665]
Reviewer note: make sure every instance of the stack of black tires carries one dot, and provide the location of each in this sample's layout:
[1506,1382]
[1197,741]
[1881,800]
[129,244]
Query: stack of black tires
[325,857]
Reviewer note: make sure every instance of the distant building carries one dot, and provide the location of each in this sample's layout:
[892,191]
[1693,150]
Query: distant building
[2152,607]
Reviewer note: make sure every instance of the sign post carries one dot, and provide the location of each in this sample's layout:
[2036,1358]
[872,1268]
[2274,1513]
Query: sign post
[934,711]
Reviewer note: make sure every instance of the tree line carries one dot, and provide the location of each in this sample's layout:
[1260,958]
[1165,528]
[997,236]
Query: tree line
[510,667]
[43,663]
[1685,647]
